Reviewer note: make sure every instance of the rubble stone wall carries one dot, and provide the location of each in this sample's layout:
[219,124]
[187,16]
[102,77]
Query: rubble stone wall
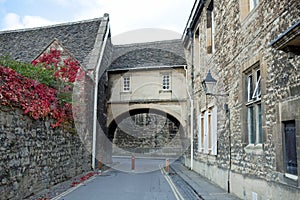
[35,156]
[240,44]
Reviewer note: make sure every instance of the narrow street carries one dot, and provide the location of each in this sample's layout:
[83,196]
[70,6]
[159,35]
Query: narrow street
[147,181]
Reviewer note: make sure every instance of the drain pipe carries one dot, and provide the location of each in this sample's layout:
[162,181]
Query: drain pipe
[96,93]
[191,95]
[229,138]
[192,118]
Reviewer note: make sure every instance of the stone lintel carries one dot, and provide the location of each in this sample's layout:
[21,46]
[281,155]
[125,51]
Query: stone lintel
[289,41]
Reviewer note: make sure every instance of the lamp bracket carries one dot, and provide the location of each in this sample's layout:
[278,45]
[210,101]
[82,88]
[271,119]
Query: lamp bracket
[222,95]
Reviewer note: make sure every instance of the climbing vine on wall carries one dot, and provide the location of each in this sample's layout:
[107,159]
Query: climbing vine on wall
[43,88]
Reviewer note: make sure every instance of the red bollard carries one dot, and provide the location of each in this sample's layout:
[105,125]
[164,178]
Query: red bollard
[167,166]
[132,162]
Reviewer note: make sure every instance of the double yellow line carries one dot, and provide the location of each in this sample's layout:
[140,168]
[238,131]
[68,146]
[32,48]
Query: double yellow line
[172,185]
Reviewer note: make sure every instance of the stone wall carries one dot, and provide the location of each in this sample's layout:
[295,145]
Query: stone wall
[240,44]
[103,142]
[35,156]
[143,133]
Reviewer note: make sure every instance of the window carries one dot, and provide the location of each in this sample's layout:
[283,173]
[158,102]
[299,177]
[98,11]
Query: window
[246,6]
[126,84]
[210,29]
[290,148]
[212,32]
[197,49]
[200,132]
[253,4]
[142,119]
[253,104]
[207,131]
[166,82]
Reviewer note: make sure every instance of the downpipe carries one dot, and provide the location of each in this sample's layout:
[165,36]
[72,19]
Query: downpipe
[192,118]
[96,96]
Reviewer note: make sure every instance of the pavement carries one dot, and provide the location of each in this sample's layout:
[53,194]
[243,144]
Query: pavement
[204,188]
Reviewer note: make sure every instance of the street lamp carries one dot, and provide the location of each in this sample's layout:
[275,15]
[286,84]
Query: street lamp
[208,85]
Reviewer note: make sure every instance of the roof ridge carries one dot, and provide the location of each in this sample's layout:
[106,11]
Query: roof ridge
[147,43]
[51,26]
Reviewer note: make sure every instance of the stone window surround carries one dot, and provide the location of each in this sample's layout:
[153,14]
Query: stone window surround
[252,148]
[253,102]
[285,113]
[245,10]
[213,127]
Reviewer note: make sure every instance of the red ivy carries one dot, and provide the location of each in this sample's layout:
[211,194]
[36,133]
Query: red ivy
[35,99]
[67,70]
[38,100]
[82,179]
[48,59]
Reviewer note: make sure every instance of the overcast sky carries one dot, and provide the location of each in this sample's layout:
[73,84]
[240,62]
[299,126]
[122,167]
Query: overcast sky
[137,16]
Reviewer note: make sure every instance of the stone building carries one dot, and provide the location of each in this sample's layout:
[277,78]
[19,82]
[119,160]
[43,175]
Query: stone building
[247,137]
[153,73]
[246,132]
[89,42]
[146,109]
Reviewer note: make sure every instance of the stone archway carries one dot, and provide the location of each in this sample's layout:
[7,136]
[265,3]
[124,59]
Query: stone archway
[159,134]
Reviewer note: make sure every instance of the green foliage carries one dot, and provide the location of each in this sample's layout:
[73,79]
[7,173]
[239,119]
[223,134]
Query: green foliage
[40,74]
[65,97]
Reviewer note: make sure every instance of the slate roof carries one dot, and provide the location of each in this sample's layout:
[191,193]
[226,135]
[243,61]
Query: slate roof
[140,55]
[84,40]
[24,45]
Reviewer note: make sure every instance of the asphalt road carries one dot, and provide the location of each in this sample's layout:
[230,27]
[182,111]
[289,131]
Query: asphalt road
[147,181]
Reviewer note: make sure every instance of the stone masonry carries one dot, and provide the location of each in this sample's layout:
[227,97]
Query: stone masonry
[241,43]
[145,132]
[35,156]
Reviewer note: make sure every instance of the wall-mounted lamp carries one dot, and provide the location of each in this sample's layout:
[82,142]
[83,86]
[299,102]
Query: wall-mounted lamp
[208,84]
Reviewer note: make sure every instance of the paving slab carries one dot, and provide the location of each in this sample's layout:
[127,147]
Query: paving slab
[205,188]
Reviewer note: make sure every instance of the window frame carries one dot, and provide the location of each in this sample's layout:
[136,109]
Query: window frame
[253,105]
[207,131]
[126,83]
[253,4]
[210,29]
[212,32]
[247,7]
[166,82]
[285,152]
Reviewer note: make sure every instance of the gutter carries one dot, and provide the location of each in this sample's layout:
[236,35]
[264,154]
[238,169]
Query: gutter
[194,15]
[146,68]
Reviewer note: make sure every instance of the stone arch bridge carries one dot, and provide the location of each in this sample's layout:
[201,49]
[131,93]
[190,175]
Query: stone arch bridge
[147,99]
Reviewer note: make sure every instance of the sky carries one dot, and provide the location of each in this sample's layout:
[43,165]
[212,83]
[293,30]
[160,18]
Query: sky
[128,18]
